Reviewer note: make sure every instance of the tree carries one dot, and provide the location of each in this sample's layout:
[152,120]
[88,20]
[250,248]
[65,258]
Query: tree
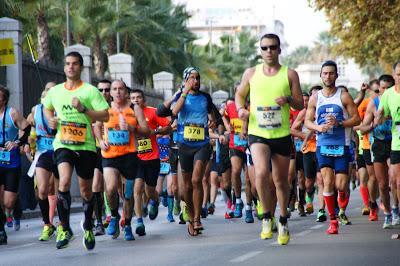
[301,55]
[367,30]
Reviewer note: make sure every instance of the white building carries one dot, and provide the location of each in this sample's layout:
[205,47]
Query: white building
[350,74]
[213,21]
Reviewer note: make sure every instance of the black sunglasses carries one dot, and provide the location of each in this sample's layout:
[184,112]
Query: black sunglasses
[106,90]
[270,47]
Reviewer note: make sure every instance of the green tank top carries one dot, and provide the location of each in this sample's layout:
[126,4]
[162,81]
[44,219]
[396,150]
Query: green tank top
[267,119]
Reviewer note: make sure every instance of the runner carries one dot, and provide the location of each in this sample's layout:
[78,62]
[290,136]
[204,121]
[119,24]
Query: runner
[334,113]
[149,160]
[104,86]
[77,104]
[272,89]
[380,149]
[193,109]
[43,162]
[10,161]
[118,150]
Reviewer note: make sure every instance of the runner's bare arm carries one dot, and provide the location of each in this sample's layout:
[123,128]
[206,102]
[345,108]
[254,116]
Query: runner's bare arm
[143,128]
[297,95]
[295,130]
[310,116]
[354,118]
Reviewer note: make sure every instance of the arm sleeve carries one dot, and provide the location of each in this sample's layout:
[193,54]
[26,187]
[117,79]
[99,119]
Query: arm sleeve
[163,111]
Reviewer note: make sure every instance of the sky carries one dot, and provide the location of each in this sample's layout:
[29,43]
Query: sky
[302,23]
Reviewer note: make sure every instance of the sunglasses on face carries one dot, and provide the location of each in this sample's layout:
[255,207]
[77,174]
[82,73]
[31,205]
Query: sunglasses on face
[270,47]
[105,90]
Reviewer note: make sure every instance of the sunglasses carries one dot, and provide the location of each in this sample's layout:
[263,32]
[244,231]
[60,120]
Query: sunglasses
[106,90]
[270,47]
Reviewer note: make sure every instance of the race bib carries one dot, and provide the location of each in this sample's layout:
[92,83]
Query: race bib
[237,141]
[118,137]
[332,150]
[144,145]
[164,168]
[5,156]
[237,125]
[298,144]
[73,133]
[269,117]
[44,143]
[193,133]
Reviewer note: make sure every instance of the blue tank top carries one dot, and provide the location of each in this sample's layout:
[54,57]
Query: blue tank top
[43,132]
[194,117]
[383,131]
[331,106]
[9,132]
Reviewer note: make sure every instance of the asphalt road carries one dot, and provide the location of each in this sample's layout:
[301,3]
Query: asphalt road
[223,242]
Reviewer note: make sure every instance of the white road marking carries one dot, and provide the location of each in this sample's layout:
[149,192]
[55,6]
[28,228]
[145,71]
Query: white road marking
[246,256]
[303,233]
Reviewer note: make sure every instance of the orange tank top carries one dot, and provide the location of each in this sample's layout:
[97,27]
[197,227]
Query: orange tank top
[120,142]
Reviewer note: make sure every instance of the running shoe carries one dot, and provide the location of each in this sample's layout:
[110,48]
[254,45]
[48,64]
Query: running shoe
[266,229]
[140,229]
[185,214]
[47,233]
[300,208]
[170,218]
[249,216]
[88,240]
[99,230]
[177,208]
[228,215]
[17,225]
[211,209]
[333,228]
[309,208]
[164,201]
[387,224]
[395,216]
[274,227]
[373,214]
[128,236]
[122,223]
[9,222]
[153,212]
[321,216]
[283,234]
[113,228]
[63,237]
[365,211]
[3,238]
[204,212]
[238,210]
[343,218]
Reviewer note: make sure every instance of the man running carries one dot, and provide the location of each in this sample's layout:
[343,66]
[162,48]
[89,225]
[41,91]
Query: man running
[11,123]
[335,114]
[273,88]
[77,104]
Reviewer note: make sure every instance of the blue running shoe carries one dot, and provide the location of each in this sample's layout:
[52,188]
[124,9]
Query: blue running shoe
[17,225]
[204,212]
[164,201]
[153,212]
[170,218]
[249,217]
[128,236]
[113,227]
[140,229]
[238,210]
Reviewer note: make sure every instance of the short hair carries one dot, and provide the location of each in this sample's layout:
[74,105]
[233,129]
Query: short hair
[6,93]
[313,88]
[271,36]
[330,63]
[395,65]
[372,82]
[386,78]
[342,87]
[104,81]
[138,91]
[77,55]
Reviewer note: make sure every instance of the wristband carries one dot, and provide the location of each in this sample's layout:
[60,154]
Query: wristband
[83,110]
[184,95]
[289,99]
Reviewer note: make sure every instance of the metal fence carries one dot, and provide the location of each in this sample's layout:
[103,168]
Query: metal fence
[32,87]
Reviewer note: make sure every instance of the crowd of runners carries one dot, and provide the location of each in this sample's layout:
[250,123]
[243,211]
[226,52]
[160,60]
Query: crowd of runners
[290,146]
